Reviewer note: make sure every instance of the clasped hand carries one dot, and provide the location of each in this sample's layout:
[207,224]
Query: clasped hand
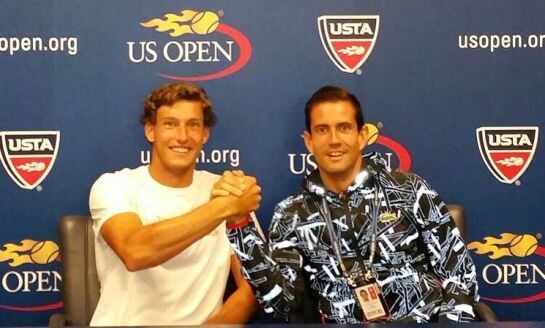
[241,192]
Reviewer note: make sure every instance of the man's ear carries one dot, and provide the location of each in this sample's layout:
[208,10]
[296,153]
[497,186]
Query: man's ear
[206,135]
[149,130]
[308,142]
[363,137]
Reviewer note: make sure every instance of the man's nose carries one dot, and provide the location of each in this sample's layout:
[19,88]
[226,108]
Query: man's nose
[334,137]
[181,133]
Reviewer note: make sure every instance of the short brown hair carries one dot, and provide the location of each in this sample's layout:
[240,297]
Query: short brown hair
[170,93]
[333,93]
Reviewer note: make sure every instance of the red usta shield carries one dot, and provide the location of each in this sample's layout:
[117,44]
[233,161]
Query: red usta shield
[507,151]
[28,156]
[348,40]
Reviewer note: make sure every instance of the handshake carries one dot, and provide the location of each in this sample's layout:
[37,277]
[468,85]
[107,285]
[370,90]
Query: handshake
[239,193]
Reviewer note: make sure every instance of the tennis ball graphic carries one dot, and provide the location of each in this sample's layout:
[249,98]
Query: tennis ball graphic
[205,22]
[373,133]
[523,245]
[44,252]
[39,167]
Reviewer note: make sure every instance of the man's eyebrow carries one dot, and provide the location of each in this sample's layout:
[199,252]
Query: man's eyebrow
[319,125]
[172,118]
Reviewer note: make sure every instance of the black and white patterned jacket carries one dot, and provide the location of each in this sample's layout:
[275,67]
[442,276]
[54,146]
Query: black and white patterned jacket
[421,261]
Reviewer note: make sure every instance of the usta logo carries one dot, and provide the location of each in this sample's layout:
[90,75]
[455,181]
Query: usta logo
[37,144]
[348,39]
[507,151]
[351,29]
[509,140]
[28,156]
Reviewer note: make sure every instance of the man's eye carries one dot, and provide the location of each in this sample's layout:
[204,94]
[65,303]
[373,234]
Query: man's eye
[345,128]
[195,124]
[169,124]
[321,130]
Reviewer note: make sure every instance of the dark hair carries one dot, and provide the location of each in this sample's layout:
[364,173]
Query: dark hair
[170,93]
[331,93]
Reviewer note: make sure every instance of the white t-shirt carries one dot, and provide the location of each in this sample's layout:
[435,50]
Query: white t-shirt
[186,289]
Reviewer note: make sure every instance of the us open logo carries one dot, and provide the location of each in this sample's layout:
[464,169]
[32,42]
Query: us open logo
[507,151]
[28,156]
[348,40]
[32,269]
[522,265]
[191,45]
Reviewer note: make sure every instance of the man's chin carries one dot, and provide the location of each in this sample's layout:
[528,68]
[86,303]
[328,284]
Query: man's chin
[334,169]
[181,166]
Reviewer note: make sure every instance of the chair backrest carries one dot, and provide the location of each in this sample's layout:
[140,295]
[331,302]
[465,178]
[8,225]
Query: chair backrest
[81,288]
[458,213]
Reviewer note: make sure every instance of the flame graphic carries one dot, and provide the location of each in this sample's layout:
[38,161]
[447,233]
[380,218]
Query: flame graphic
[189,22]
[352,51]
[511,161]
[29,251]
[508,245]
[32,167]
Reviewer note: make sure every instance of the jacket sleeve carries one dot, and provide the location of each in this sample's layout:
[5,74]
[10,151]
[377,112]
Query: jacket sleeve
[447,253]
[273,269]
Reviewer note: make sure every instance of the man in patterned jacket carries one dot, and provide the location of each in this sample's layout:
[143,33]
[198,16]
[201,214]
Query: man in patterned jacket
[356,227]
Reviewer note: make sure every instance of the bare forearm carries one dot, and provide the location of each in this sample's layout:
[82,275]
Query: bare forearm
[141,247]
[240,307]
[156,243]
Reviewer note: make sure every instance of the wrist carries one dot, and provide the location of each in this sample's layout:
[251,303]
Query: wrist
[223,205]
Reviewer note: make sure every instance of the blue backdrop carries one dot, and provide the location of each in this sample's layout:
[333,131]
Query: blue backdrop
[436,72]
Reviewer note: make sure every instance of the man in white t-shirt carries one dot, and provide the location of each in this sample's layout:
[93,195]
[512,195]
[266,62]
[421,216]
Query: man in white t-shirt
[162,254]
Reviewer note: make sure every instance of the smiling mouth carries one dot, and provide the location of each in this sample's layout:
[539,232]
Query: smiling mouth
[180,150]
[335,154]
